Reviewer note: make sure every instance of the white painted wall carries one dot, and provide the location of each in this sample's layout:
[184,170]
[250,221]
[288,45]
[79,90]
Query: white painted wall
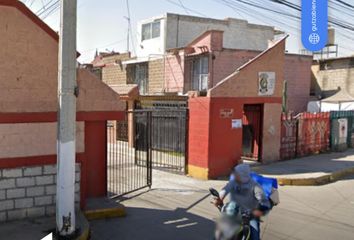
[154,46]
[180,30]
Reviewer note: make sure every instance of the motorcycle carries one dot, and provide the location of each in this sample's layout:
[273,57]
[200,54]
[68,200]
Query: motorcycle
[234,223]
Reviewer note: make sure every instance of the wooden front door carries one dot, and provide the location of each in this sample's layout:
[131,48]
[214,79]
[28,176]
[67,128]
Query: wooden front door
[251,131]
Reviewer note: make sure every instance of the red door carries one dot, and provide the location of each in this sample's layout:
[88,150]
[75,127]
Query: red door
[251,131]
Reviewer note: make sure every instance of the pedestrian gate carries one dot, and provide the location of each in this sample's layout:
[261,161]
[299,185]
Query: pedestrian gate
[154,138]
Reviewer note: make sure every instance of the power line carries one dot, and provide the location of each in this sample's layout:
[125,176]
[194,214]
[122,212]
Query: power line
[44,7]
[269,9]
[346,8]
[236,10]
[189,9]
[236,4]
[345,3]
[336,7]
[185,9]
[51,7]
[102,46]
[52,11]
[332,20]
[255,14]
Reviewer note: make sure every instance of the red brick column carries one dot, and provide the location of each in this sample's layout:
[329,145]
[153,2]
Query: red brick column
[198,148]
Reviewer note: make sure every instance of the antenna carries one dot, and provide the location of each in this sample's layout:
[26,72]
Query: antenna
[128,32]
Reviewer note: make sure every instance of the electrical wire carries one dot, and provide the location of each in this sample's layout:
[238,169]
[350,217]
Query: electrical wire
[185,9]
[189,9]
[233,4]
[345,3]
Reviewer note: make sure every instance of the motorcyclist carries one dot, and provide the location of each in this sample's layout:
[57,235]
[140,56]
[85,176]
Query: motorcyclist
[248,194]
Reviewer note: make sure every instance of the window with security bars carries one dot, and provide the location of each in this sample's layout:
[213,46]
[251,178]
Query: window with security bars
[200,74]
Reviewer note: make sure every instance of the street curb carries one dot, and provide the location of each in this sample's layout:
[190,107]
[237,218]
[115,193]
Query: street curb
[105,213]
[84,235]
[325,179]
[85,228]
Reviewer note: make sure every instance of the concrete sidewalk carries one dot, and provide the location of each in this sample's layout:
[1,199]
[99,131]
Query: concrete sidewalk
[312,170]
[38,228]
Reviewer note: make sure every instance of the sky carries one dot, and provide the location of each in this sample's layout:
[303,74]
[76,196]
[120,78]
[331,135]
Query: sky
[101,24]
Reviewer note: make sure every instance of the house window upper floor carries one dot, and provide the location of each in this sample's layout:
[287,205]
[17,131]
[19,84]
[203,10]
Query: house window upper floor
[138,74]
[200,73]
[150,30]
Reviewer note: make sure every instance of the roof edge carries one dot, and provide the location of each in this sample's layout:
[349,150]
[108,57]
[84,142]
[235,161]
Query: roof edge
[27,12]
[275,44]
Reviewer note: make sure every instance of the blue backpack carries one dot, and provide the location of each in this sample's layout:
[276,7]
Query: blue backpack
[269,186]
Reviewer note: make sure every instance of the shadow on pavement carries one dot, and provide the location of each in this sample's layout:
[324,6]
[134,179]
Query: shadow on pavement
[154,224]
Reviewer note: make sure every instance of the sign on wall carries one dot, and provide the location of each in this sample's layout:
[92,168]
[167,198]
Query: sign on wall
[266,83]
[343,130]
[226,113]
[236,123]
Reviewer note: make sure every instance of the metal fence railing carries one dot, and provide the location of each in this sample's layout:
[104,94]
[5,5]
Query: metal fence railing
[152,138]
[304,134]
[124,174]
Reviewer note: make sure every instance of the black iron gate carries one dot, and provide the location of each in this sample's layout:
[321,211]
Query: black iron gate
[155,138]
[168,139]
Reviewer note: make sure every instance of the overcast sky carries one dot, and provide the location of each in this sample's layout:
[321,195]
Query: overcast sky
[101,23]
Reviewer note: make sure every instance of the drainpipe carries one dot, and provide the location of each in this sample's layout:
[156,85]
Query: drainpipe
[211,71]
[177,37]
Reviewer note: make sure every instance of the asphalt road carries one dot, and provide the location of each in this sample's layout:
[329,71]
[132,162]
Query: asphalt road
[178,208]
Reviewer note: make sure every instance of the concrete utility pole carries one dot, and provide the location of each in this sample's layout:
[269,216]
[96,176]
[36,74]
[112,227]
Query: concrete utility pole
[65,209]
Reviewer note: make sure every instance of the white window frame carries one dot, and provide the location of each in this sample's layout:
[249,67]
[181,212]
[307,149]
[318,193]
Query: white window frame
[200,83]
[150,25]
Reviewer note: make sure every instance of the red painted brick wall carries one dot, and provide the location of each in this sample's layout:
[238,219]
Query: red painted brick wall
[227,61]
[213,143]
[210,40]
[198,149]
[297,72]
[298,75]
[225,143]
[95,142]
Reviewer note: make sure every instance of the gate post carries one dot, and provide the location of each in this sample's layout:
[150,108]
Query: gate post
[186,142]
[149,146]
[131,125]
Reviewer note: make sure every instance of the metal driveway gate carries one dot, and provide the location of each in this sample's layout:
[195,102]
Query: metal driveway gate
[154,138]
[128,168]
[169,139]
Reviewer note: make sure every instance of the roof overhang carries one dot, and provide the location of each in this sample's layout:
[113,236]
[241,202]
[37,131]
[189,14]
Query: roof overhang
[134,61]
[126,91]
